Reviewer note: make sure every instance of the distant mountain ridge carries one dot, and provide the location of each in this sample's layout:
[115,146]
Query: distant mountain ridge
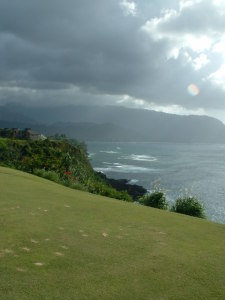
[113,123]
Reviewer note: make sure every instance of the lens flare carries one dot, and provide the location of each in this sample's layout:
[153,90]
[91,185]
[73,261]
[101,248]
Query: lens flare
[193,90]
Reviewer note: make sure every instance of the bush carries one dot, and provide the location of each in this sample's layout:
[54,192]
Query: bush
[78,186]
[50,175]
[156,199]
[103,189]
[189,206]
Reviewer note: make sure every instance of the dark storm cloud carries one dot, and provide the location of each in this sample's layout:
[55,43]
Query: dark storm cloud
[84,44]
[73,51]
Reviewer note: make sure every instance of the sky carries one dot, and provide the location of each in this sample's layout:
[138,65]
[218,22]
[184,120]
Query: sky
[163,55]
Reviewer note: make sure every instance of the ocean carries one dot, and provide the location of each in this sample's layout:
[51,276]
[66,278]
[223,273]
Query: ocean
[196,169]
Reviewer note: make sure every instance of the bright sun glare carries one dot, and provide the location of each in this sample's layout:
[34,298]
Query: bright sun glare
[193,90]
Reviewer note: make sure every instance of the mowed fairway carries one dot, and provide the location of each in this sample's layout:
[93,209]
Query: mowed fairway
[58,243]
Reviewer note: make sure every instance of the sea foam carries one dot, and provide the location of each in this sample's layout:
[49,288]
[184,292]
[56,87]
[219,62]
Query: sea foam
[109,152]
[138,157]
[122,168]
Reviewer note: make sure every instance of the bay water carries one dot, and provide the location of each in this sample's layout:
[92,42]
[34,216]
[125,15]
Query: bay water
[194,169]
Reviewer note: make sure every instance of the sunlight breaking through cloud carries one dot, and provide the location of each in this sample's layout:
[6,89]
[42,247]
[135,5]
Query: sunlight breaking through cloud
[129,7]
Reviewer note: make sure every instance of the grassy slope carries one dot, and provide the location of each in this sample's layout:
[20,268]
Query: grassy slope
[93,247]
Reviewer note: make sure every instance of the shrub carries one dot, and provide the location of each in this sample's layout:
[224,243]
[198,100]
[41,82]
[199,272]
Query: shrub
[103,189]
[156,199]
[50,175]
[78,186]
[189,206]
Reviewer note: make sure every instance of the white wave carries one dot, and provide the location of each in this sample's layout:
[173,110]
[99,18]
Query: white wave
[133,181]
[120,168]
[109,152]
[139,157]
[91,155]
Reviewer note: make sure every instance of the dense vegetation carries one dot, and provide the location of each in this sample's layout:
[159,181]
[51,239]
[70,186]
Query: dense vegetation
[62,161]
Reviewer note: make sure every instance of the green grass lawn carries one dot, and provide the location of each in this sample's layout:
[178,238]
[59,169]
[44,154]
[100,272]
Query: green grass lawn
[58,243]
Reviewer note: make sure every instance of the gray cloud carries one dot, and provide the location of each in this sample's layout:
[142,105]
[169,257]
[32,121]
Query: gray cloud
[93,52]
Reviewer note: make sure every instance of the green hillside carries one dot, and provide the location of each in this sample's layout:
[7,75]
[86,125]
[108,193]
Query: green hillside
[63,161]
[58,243]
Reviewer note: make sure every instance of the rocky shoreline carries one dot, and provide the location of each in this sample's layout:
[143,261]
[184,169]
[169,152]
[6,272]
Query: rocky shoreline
[134,190]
